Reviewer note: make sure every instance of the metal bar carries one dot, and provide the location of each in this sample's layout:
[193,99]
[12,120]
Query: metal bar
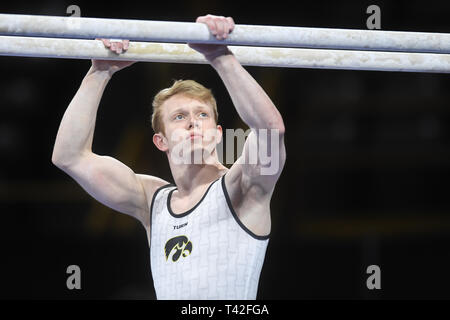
[249,56]
[249,35]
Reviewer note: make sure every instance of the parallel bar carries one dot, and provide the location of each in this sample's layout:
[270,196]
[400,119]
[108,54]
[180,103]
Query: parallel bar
[249,35]
[250,56]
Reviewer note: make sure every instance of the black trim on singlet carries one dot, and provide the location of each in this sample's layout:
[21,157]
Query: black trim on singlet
[184,214]
[151,213]
[154,197]
[235,216]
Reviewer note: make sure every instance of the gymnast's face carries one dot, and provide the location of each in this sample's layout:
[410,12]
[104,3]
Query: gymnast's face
[189,127]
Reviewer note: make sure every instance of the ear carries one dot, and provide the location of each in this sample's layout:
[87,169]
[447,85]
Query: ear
[160,142]
[219,133]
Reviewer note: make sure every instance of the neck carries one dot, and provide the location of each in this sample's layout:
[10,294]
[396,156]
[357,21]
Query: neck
[188,177]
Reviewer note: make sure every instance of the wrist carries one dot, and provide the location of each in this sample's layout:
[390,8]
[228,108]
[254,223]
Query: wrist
[218,55]
[105,74]
[223,61]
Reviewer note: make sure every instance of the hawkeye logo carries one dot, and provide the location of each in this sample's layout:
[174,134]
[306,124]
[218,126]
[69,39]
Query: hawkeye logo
[180,246]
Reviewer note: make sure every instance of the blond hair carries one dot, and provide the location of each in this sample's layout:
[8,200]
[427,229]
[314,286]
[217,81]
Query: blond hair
[189,88]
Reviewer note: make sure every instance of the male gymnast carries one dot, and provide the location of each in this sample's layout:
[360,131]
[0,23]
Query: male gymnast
[208,232]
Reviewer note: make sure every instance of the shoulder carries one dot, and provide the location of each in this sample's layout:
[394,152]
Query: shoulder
[151,186]
[151,183]
[244,182]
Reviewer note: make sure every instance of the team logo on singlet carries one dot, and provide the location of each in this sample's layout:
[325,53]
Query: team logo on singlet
[180,246]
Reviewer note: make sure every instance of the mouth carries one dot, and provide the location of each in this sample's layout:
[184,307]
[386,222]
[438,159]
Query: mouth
[194,136]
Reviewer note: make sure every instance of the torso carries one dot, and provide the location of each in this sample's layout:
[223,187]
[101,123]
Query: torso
[180,205]
[253,210]
[215,256]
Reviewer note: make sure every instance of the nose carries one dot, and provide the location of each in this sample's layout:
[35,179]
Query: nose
[194,123]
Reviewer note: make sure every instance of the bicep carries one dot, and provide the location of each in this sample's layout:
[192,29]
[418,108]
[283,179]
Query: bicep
[261,162]
[112,183]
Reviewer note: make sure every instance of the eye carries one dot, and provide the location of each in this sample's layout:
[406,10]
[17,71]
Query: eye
[178,117]
[203,114]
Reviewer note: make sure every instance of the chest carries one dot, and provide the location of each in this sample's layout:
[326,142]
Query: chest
[207,229]
[181,205]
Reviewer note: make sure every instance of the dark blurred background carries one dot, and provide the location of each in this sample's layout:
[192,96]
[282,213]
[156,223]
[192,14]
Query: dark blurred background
[365,182]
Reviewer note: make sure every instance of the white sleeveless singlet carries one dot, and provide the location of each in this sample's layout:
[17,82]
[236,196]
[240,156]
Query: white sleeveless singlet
[205,252]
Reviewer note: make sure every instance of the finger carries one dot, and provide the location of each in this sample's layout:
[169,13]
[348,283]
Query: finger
[126,44]
[106,43]
[227,27]
[119,47]
[209,21]
[220,29]
[231,24]
[212,26]
[201,19]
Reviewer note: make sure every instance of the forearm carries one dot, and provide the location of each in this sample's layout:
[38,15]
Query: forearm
[250,100]
[76,131]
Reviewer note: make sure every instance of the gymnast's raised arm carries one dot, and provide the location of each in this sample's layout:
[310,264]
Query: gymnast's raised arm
[104,178]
